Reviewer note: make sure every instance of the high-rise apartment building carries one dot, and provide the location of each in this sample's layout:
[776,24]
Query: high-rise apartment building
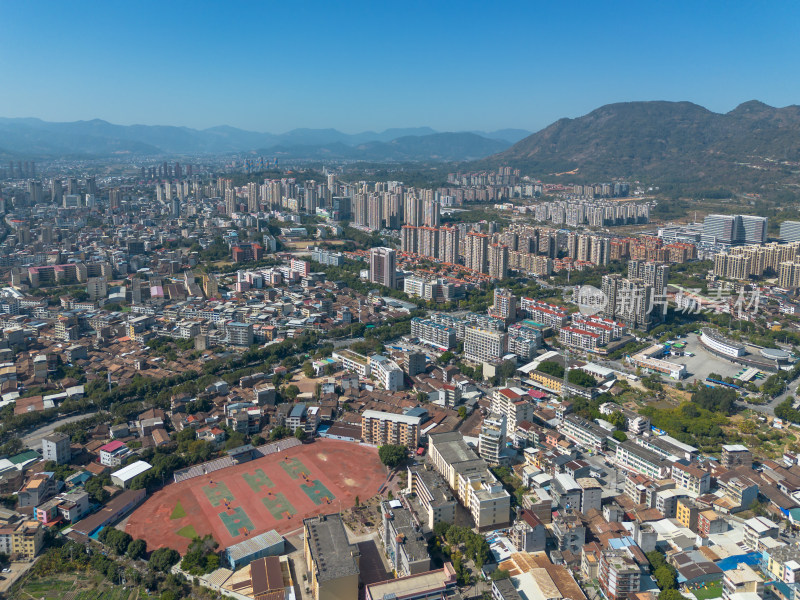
[230,201]
[789,275]
[505,305]
[252,197]
[492,438]
[448,245]
[630,301]
[476,250]
[382,267]
[498,261]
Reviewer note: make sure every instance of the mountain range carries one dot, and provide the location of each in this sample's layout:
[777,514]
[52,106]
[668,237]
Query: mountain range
[34,137]
[665,142]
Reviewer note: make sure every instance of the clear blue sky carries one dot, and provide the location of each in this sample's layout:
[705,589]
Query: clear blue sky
[277,65]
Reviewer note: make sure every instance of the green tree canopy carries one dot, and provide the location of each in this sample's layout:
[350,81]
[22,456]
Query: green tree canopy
[392,455]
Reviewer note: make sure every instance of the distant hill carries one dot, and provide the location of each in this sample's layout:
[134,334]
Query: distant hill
[34,137]
[433,147]
[665,142]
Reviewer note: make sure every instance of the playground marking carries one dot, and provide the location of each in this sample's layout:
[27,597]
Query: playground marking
[235,521]
[294,468]
[317,492]
[258,480]
[279,506]
[218,494]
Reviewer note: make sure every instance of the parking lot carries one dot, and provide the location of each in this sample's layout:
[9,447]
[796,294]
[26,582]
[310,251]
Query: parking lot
[703,363]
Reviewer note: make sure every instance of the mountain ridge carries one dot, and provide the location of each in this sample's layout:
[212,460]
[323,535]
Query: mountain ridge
[97,137]
[663,141]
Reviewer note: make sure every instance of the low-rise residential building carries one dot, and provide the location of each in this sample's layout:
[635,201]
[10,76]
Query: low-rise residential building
[386,372]
[433,495]
[528,533]
[736,455]
[113,454]
[403,541]
[332,562]
[584,433]
[758,528]
[438,335]
[632,457]
[709,522]
[379,428]
[619,573]
[352,361]
[742,579]
[691,478]
[470,479]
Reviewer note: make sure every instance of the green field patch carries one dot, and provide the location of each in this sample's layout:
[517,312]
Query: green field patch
[278,506]
[217,493]
[187,531]
[178,512]
[236,521]
[294,468]
[318,493]
[258,480]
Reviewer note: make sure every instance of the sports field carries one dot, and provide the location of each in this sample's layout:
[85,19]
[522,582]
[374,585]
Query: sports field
[273,492]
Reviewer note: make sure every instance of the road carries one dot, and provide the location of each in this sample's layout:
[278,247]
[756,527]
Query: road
[33,439]
[769,408]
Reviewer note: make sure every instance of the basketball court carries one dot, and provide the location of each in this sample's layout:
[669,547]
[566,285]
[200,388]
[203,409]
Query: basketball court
[274,492]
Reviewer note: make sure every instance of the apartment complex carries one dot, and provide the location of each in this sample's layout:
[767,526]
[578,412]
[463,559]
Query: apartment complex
[484,345]
[380,428]
[470,479]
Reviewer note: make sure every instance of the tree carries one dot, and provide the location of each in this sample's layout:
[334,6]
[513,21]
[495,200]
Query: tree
[441,528]
[671,594]
[357,501]
[392,455]
[551,368]
[162,559]
[665,577]
[308,370]
[581,379]
[291,392]
[300,433]
[462,412]
[136,549]
[618,420]
[446,357]
[499,574]
[620,436]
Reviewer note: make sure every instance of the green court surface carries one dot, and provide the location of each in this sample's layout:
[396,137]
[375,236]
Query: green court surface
[258,480]
[188,532]
[294,468]
[237,521]
[278,506]
[317,492]
[218,493]
[178,512]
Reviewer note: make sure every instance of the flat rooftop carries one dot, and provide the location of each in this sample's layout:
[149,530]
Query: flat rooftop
[332,552]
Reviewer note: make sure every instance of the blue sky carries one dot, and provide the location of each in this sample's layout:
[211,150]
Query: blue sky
[274,66]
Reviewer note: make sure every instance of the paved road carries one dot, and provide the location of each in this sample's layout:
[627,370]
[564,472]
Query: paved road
[33,439]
